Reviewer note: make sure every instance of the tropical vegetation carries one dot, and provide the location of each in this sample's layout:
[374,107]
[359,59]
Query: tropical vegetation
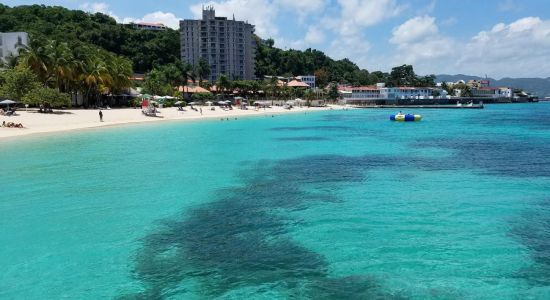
[145,49]
[77,53]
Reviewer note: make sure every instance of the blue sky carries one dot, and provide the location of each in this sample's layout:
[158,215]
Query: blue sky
[498,38]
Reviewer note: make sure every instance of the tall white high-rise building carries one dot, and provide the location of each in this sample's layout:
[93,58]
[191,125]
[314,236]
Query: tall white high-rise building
[228,45]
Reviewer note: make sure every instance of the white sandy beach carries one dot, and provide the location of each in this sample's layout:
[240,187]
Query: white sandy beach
[73,119]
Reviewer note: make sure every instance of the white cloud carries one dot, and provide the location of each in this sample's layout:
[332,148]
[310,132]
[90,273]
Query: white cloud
[314,36]
[301,6]
[449,21]
[99,7]
[509,6]
[419,43]
[349,40]
[428,9]
[168,19]
[358,14]
[261,13]
[355,50]
[415,29]
[518,49]
[521,48]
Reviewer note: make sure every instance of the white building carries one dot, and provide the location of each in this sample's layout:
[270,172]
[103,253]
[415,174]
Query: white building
[490,92]
[309,79]
[396,93]
[380,93]
[360,93]
[149,26]
[10,42]
[228,45]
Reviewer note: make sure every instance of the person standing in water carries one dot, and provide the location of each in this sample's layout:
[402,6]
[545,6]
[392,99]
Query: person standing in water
[100,116]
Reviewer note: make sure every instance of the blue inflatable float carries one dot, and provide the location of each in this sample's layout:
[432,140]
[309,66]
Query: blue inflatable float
[405,117]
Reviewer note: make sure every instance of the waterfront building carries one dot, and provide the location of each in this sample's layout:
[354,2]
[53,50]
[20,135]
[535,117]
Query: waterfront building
[380,94]
[228,45]
[396,93]
[149,26]
[309,79]
[360,93]
[11,42]
[492,92]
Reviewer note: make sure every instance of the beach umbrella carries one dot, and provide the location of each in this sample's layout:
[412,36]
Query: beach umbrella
[8,103]
[178,102]
[193,103]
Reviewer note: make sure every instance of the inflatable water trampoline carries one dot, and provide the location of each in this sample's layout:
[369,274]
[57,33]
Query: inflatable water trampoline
[405,117]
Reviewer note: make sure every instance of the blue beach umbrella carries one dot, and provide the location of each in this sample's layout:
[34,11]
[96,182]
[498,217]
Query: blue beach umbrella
[8,103]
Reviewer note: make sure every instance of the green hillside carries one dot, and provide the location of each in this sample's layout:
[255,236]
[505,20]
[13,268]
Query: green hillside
[144,48]
[155,49]
[147,49]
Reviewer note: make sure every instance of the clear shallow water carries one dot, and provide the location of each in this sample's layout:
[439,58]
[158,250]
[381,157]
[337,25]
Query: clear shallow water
[328,205]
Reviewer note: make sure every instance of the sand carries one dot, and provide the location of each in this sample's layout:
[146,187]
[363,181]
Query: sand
[74,119]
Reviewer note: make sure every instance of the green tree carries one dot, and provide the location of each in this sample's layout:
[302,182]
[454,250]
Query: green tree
[156,84]
[402,76]
[333,92]
[36,57]
[223,84]
[465,90]
[321,77]
[447,88]
[16,83]
[202,69]
[47,96]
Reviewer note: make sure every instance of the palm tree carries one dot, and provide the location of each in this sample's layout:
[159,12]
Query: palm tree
[36,57]
[223,84]
[202,69]
[60,64]
[273,86]
[120,70]
[95,76]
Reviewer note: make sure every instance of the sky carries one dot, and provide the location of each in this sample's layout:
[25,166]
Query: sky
[497,38]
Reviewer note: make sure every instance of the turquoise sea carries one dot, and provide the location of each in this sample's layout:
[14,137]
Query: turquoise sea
[323,205]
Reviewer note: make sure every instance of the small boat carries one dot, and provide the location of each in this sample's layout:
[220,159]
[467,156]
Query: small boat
[405,117]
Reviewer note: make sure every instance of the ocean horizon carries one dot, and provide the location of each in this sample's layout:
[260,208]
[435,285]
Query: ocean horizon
[323,205]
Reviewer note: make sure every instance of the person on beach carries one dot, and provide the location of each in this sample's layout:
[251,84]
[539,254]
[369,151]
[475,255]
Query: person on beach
[100,116]
[200,110]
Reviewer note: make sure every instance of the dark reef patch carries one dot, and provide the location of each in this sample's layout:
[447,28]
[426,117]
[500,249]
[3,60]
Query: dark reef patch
[313,128]
[239,240]
[303,139]
[533,231]
[507,157]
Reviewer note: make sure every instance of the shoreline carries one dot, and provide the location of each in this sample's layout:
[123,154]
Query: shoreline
[76,119]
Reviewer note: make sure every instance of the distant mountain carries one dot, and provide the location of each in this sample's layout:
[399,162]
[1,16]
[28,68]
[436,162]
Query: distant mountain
[539,86]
